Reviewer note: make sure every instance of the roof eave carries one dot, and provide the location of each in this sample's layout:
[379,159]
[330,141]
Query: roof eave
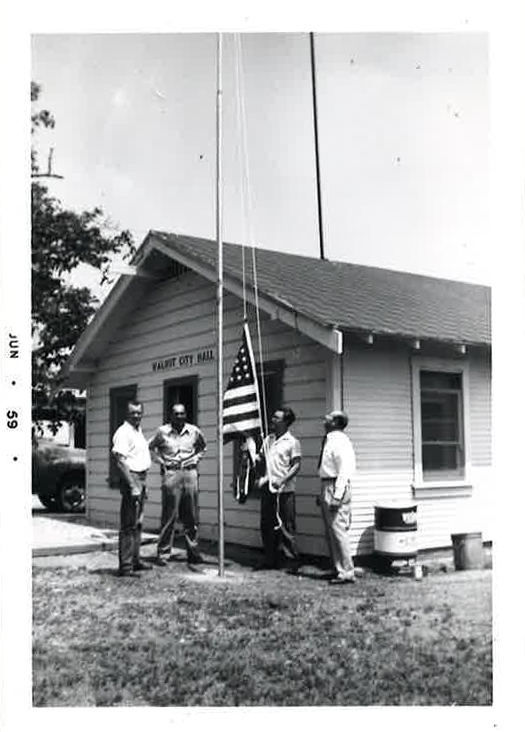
[366,333]
[325,334]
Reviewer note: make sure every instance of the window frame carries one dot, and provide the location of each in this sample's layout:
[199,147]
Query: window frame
[424,486]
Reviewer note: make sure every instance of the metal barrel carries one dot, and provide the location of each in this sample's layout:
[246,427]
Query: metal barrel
[395,530]
[468,550]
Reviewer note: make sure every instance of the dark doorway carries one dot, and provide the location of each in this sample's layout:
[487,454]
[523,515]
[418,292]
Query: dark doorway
[181,391]
[273,389]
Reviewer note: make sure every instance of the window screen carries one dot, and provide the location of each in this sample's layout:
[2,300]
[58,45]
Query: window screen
[442,434]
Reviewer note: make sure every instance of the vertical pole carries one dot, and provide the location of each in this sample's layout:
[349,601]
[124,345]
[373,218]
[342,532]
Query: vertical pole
[220,447]
[316,138]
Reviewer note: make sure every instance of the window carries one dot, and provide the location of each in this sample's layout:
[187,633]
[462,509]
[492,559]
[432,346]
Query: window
[442,438]
[118,403]
[440,406]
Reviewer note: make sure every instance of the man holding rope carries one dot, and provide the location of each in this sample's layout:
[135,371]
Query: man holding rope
[282,453]
[178,447]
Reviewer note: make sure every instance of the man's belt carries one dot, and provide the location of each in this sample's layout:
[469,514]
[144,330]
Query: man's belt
[179,467]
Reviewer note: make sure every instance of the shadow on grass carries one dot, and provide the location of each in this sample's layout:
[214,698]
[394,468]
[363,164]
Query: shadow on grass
[105,572]
[314,573]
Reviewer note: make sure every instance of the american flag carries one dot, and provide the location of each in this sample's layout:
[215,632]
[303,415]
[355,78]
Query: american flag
[241,404]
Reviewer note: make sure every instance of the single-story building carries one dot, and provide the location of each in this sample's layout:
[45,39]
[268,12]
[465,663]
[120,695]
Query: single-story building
[406,356]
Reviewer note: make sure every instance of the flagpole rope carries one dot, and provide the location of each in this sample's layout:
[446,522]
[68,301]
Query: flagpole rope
[249,211]
[241,166]
[249,197]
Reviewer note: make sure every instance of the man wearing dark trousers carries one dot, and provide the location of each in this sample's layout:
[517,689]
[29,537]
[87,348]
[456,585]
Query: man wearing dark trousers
[178,447]
[282,454]
[130,450]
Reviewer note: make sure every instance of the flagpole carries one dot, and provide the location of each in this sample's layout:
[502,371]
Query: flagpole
[316,139]
[220,447]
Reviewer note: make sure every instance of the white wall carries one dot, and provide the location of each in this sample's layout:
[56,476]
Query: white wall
[377,396]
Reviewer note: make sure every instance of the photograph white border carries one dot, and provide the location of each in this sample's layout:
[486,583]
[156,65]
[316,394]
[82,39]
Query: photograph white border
[503,22]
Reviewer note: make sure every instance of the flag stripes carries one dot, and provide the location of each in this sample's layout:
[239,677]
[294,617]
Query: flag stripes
[235,392]
[241,428]
[241,403]
[236,412]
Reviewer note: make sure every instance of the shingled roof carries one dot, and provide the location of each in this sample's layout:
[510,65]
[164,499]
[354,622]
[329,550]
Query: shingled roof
[353,297]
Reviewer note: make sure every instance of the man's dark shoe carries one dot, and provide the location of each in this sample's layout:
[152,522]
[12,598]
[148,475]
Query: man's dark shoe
[128,573]
[141,567]
[196,559]
[160,562]
[343,580]
[264,565]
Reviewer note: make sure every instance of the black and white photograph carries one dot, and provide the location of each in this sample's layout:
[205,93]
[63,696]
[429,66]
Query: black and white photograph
[254,389]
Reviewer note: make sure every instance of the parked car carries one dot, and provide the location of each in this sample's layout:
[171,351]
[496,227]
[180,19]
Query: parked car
[59,475]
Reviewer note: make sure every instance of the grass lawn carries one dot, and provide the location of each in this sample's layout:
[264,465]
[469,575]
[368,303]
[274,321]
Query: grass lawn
[176,637]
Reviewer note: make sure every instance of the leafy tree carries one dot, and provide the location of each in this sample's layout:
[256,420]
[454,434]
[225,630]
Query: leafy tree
[62,239]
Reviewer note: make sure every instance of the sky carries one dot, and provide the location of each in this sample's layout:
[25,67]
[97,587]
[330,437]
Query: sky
[403,141]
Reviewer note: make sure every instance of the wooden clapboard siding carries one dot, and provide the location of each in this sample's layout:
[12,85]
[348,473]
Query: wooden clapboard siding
[438,518]
[377,396]
[178,317]
[480,412]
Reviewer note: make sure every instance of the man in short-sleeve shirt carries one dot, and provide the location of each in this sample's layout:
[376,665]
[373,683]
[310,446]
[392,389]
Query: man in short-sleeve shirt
[282,453]
[131,453]
[178,447]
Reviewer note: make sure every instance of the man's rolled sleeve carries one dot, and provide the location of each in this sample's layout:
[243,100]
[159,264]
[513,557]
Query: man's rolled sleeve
[200,443]
[295,450]
[120,444]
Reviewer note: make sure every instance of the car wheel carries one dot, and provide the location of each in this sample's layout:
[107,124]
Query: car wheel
[49,502]
[72,495]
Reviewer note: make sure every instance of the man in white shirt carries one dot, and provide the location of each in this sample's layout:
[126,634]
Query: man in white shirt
[282,454]
[336,470]
[131,453]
